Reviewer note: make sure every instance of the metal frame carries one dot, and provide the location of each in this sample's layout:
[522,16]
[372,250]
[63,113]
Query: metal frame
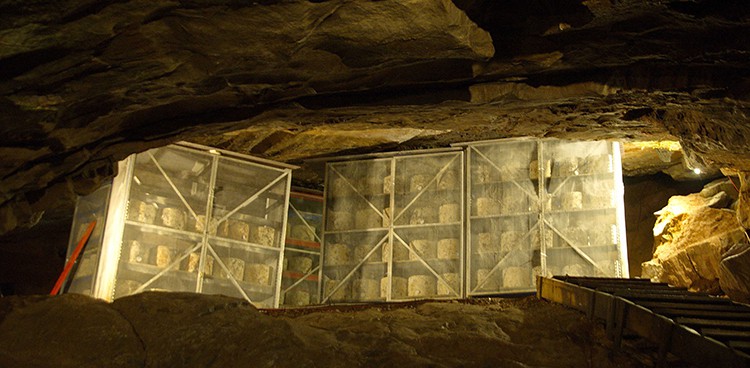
[109,259]
[543,223]
[391,232]
[317,254]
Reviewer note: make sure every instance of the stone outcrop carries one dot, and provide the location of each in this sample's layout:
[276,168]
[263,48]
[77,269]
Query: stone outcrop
[190,330]
[690,236]
[734,272]
[85,83]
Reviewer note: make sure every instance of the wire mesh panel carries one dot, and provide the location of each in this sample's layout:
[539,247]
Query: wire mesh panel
[300,280]
[185,219]
[168,194]
[581,209]
[92,207]
[394,228]
[504,238]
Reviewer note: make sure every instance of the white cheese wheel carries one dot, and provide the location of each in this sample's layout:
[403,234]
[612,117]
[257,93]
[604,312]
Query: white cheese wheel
[425,248]
[236,267]
[422,286]
[257,273]
[449,213]
[336,254]
[361,251]
[137,254]
[388,184]
[448,248]
[516,277]
[302,232]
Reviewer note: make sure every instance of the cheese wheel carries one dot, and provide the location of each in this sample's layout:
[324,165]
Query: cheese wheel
[257,273]
[336,254]
[516,277]
[448,248]
[422,286]
[449,213]
[173,218]
[425,248]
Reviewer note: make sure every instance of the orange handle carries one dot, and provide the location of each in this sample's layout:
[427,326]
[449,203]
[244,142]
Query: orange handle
[73,258]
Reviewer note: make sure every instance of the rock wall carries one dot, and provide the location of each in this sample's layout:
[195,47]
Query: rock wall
[692,234]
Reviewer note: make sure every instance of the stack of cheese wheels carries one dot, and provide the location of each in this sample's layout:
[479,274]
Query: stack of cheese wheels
[516,277]
[336,254]
[448,248]
[193,262]
[424,248]
[258,273]
[142,212]
[422,286]
[173,218]
[449,213]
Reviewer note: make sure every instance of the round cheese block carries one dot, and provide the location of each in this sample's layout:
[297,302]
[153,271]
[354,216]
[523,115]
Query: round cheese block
[236,267]
[138,253]
[257,273]
[400,253]
[239,230]
[297,297]
[263,235]
[398,287]
[451,279]
[547,237]
[516,277]
[386,219]
[422,286]
[301,264]
[336,254]
[200,225]
[534,169]
[448,248]
[449,213]
[193,262]
[163,256]
[366,289]
[142,212]
[173,217]
[572,200]
[487,206]
[341,294]
[424,248]
[418,182]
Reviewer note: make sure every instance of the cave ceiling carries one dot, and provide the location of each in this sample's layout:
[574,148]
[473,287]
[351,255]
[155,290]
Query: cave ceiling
[84,83]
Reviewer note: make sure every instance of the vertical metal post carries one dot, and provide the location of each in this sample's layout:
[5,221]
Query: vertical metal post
[620,209]
[542,205]
[282,238]
[392,204]
[207,222]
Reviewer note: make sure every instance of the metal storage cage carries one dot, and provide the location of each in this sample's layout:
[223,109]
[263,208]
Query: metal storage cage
[187,218]
[543,207]
[394,228]
[300,281]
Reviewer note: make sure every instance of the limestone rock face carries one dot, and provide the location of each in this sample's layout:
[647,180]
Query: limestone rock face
[734,272]
[690,236]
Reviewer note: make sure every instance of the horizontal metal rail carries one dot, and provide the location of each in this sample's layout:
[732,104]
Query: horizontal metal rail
[698,328]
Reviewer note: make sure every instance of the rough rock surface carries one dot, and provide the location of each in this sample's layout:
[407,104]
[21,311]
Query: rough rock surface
[690,235]
[189,330]
[734,272]
[84,83]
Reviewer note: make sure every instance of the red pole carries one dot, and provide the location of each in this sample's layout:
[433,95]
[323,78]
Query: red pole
[73,258]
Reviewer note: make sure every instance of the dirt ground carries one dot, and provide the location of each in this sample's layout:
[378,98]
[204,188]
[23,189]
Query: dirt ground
[188,330]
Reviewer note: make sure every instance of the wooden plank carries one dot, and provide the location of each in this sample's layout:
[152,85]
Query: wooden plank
[690,313]
[725,335]
[672,298]
[705,322]
[695,306]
